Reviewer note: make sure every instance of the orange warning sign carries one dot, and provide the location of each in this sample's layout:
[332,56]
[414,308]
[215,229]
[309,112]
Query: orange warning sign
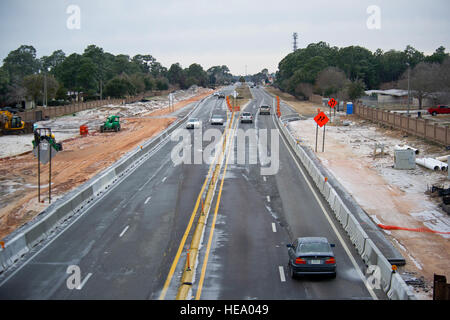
[321,119]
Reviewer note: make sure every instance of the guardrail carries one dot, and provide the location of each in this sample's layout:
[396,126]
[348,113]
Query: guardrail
[391,283]
[31,234]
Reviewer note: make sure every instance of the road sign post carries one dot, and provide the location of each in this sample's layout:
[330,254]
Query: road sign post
[321,119]
[332,103]
[44,150]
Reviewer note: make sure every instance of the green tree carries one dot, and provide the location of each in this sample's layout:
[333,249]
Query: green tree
[34,85]
[21,62]
[4,81]
[176,75]
[355,89]
[49,63]
[438,56]
[119,87]
[196,72]
[162,84]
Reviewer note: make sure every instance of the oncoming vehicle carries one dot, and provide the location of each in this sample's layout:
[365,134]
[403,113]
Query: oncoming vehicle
[193,123]
[217,119]
[246,117]
[311,256]
[264,110]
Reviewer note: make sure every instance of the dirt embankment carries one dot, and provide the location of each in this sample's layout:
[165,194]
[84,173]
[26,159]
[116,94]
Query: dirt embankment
[81,159]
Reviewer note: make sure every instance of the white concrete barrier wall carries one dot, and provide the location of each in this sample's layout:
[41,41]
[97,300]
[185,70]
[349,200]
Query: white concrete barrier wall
[326,190]
[356,233]
[332,198]
[13,251]
[23,242]
[399,290]
[342,213]
[392,284]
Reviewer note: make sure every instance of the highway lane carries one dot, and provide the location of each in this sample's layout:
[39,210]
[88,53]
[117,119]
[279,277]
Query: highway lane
[125,243]
[258,216]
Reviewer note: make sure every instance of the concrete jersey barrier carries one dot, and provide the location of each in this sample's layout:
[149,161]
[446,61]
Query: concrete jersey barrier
[31,234]
[391,283]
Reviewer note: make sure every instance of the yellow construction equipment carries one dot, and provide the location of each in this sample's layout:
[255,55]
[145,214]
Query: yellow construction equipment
[10,123]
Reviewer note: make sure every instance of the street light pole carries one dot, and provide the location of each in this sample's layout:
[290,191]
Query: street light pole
[409,99]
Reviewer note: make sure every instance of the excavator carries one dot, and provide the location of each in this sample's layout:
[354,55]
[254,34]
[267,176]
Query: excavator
[10,123]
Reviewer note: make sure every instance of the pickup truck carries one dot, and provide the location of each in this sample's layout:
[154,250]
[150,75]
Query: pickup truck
[439,110]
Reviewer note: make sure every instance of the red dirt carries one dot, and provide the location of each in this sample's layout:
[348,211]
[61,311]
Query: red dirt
[81,159]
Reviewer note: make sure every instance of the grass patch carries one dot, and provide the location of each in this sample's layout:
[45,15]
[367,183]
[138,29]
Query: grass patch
[244,96]
[305,108]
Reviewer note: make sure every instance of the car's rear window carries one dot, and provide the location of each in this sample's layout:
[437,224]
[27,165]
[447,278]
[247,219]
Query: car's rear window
[246,114]
[314,247]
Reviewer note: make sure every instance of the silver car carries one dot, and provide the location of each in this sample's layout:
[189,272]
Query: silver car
[246,117]
[193,123]
[217,119]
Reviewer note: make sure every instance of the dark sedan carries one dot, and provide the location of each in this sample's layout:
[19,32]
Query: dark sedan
[311,256]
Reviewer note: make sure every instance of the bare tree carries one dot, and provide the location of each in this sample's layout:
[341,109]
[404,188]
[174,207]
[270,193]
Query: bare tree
[304,89]
[331,80]
[424,81]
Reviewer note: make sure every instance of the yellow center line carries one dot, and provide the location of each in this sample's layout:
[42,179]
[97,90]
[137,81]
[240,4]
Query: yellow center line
[186,233]
[211,233]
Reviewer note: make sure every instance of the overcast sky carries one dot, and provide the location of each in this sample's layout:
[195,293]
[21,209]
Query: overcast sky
[215,32]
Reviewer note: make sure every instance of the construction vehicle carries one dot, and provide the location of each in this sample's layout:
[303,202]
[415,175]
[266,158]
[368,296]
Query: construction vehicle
[48,136]
[10,123]
[112,123]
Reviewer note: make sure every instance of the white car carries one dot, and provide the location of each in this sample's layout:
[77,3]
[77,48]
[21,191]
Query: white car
[193,123]
[246,117]
[217,119]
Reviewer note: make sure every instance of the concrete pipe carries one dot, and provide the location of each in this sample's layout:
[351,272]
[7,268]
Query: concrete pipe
[443,158]
[425,162]
[406,147]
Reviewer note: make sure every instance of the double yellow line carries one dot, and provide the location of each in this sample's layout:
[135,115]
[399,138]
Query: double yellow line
[187,275]
[211,232]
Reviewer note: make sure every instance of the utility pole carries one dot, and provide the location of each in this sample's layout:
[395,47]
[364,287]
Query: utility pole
[295,36]
[409,95]
[101,90]
[45,89]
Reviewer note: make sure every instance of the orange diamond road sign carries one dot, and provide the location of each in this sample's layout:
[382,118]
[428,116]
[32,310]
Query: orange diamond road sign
[332,103]
[321,119]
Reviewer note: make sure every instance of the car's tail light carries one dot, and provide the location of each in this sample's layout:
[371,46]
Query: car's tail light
[330,261]
[300,261]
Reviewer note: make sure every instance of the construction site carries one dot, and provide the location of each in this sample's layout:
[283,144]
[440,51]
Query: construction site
[91,141]
[408,203]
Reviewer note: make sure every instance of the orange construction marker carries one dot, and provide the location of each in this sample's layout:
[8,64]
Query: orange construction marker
[2,243]
[188,263]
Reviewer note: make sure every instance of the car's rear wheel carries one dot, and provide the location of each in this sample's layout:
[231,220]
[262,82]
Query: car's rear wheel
[434,113]
[291,271]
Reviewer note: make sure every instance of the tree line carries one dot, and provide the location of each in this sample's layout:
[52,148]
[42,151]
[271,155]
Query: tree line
[347,72]
[95,74]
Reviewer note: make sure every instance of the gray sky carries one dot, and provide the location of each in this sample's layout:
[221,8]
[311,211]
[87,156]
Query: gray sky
[215,32]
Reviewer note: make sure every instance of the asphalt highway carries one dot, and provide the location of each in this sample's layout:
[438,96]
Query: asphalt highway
[131,244]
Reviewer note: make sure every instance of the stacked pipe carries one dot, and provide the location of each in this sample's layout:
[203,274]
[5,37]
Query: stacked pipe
[406,147]
[432,164]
